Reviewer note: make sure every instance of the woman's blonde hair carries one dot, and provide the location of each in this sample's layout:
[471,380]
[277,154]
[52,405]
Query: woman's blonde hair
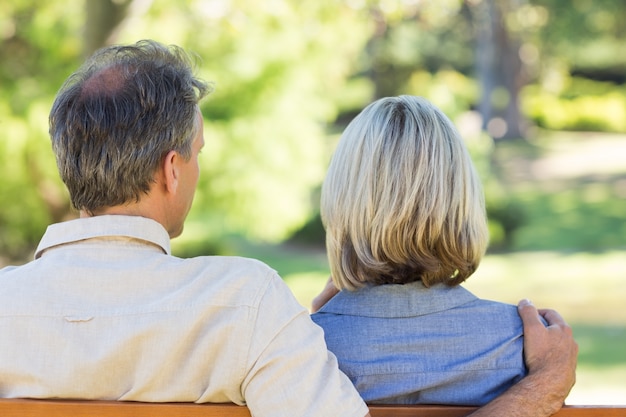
[402,201]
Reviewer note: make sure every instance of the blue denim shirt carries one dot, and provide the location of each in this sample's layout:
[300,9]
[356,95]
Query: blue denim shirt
[408,344]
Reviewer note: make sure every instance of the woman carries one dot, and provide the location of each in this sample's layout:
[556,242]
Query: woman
[405,224]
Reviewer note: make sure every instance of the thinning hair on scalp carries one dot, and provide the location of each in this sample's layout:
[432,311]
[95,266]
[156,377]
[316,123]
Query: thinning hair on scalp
[402,201]
[114,120]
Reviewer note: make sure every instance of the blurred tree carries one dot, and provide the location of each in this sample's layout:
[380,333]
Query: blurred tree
[411,37]
[583,37]
[433,36]
[285,71]
[499,68]
[104,20]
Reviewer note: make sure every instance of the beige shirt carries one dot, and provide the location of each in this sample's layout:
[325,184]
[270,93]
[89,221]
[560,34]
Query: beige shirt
[105,312]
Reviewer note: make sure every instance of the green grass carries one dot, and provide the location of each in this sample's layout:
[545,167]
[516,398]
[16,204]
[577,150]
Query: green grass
[572,187]
[586,216]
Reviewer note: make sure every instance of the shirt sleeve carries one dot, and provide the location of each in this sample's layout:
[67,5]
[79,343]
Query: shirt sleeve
[291,372]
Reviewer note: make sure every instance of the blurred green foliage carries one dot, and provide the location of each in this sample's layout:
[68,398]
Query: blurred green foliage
[278,70]
[581,104]
[32,66]
[289,75]
[584,35]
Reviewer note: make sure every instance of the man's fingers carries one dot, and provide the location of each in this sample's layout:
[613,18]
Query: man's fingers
[328,292]
[552,317]
[555,320]
[528,312]
[530,317]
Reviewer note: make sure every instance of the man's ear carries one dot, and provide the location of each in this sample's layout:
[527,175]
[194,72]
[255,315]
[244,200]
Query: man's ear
[170,171]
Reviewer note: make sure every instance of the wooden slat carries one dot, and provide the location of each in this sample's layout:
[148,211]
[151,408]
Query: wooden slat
[66,408]
[419,411]
[63,408]
[592,411]
[448,411]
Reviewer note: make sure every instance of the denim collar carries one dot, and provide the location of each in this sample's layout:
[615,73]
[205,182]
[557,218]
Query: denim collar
[389,301]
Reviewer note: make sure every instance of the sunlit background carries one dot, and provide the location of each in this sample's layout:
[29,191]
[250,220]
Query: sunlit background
[536,87]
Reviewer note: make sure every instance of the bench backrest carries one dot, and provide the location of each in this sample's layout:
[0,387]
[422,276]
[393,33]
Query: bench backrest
[63,408]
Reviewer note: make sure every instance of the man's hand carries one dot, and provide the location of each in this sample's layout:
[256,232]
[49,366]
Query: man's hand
[327,293]
[550,352]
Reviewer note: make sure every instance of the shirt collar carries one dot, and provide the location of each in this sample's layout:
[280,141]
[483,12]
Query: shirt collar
[393,300]
[133,227]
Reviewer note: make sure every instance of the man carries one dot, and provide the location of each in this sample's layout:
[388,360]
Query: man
[105,312]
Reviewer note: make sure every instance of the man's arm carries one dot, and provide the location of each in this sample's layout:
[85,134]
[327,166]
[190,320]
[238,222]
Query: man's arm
[550,353]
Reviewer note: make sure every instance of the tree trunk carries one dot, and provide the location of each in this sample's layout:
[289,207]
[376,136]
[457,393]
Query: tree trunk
[104,19]
[499,71]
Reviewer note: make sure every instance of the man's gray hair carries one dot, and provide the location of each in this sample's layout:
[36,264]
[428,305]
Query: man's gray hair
[118,115]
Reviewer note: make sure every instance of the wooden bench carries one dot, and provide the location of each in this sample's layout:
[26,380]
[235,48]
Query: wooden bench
[65,408]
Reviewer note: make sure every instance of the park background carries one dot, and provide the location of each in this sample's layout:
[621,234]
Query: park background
[537,89]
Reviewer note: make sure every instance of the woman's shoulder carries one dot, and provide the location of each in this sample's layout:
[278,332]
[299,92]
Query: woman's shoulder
[496,313]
